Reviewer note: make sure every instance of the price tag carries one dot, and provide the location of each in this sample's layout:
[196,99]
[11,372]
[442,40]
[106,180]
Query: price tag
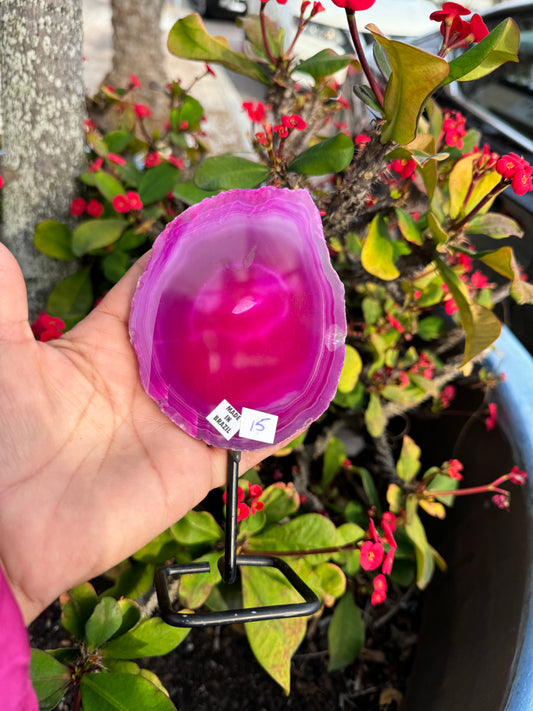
[258,425]
[225,419]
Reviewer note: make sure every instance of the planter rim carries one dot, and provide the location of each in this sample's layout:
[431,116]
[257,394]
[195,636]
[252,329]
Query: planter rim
[514,398]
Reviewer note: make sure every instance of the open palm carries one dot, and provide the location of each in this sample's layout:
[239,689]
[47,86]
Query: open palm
[90,468]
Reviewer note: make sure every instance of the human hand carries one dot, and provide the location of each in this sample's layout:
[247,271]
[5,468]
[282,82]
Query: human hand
[90,468]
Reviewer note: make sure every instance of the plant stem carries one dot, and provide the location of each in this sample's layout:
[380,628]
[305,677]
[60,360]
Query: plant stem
[264,34]
[492,194]
[311,551]
[356,39]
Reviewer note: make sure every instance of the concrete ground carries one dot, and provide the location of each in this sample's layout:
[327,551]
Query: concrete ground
[227,126]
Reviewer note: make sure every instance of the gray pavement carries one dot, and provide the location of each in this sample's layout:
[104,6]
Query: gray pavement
[227,126]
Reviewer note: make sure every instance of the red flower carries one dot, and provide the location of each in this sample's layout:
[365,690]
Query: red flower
[354,5]
[1,182]
[404,167]
[317,7]
[395,323]
[521,182]
[294,121]
[121,203]
[96,165]
[371,555]
[447,395]
[256,505]
[448,12]
[134,201]
[516,476]
[380,590]
[114,158]
[77,207]
[152,159]
[255,491]
[479,280]
[453,129]
[492,419]
[209,70]
[135,81]
[454,469]
[95,208]
[501,501]
[142,110]
[176,162]
[361,139]
[256,112]
[478,29]
[47,328]
[389,560]
[243,511]
[510,164]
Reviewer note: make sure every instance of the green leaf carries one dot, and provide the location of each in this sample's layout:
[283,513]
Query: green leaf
[115,265]
[408,464]
[191,112]
[117,141]
[349,560]
[157,182]
[351,370]
[334,456]
[227,171]
[377,256]
[77,606]
[108,186]
[346,633]
[425,562]
[430,327]
[72,298]
[150,638]
[459,183]
[158,550]
[374,418]
[328,581]
[189,39]
[495,226]
[94,234]
[273,642]
[408,226]
[280,500]
[131,615]
[329,156]
[130,240]
[415,74]
[194,589]
[122,692]
[481,326]
[306,532]
[103,623]
[54,239]
[49,678]
[191,194]
[325,63]
[197,527]
[134,581]
[369,488]
[500,46]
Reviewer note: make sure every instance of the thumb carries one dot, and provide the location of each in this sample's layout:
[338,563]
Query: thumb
[14,324]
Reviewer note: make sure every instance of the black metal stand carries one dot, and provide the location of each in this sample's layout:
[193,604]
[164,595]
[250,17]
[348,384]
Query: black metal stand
[228,565]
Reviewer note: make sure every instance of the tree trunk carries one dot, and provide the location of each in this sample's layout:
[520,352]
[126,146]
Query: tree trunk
[42,110]
[138,49]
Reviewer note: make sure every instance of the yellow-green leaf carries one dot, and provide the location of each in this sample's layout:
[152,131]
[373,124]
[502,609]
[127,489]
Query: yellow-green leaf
[408,463]
[350,370]
[374,418]
[189,39]
[415,75]
[481,326]
[377,255]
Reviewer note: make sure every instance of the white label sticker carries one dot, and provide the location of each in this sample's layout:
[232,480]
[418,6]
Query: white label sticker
[225,419]
[258,425]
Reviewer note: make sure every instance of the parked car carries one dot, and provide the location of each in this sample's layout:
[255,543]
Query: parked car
[222,9]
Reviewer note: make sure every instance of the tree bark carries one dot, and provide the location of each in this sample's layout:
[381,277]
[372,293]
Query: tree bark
[42,110]
[138,49]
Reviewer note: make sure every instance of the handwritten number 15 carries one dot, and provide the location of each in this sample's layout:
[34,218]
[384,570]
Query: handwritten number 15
[258,425]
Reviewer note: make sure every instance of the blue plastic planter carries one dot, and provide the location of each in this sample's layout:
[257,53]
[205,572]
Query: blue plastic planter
[476,641]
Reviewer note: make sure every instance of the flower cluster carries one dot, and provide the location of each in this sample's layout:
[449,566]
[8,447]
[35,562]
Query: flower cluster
[453,129]
[127,202]
[47,328]
[457,32]
[248,503]
[373,554]
[78,206]
[516,172]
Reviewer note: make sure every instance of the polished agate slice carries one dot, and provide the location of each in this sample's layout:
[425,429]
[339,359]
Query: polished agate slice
[239,305]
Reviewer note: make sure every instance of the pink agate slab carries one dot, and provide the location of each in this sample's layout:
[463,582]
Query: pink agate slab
[239,305]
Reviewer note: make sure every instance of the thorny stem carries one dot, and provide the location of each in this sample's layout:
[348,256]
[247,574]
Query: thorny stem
[356,39]
[266,43]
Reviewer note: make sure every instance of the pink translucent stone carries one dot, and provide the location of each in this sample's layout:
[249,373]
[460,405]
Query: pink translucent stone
[239,302]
